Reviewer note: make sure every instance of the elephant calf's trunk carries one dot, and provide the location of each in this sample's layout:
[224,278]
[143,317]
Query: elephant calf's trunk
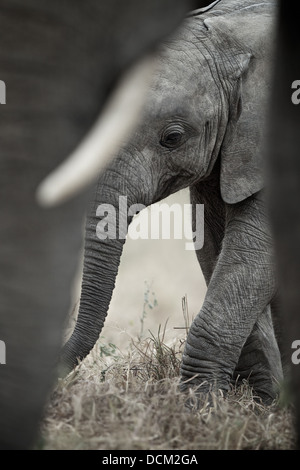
[103,249]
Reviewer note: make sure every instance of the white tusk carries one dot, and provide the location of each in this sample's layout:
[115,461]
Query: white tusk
[112,128]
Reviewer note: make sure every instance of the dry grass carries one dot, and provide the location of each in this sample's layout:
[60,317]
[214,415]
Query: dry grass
[114,401]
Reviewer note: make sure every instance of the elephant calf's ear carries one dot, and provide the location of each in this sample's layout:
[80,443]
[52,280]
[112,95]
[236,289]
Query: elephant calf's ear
[242,172]
[245,36]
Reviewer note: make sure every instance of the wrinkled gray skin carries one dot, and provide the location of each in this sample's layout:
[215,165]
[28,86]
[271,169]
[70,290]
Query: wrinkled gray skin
[59,61]
[202,129]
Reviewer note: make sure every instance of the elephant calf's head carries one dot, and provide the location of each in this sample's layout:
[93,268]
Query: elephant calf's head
[206,100]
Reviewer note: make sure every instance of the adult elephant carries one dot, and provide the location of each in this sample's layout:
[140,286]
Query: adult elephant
[284,170]
[202,128]
[59,61]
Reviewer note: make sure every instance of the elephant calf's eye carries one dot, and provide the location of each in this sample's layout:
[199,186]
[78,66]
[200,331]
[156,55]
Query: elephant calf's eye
[172,137]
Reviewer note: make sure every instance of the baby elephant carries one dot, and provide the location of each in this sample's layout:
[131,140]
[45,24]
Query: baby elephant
[202,128]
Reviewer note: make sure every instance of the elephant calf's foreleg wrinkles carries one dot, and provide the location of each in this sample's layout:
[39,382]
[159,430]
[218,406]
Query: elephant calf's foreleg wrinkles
[239,292]
[260,360]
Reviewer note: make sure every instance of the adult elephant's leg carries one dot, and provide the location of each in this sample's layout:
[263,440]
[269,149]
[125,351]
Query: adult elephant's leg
[39,125]
[284,167]
[38,253]
[241,287]
[59,61]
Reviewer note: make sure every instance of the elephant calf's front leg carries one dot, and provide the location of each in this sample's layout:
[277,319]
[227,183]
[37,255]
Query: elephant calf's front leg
[260,360]
[239,291]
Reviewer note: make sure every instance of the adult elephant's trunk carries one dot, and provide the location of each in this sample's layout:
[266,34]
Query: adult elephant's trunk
[104,240]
